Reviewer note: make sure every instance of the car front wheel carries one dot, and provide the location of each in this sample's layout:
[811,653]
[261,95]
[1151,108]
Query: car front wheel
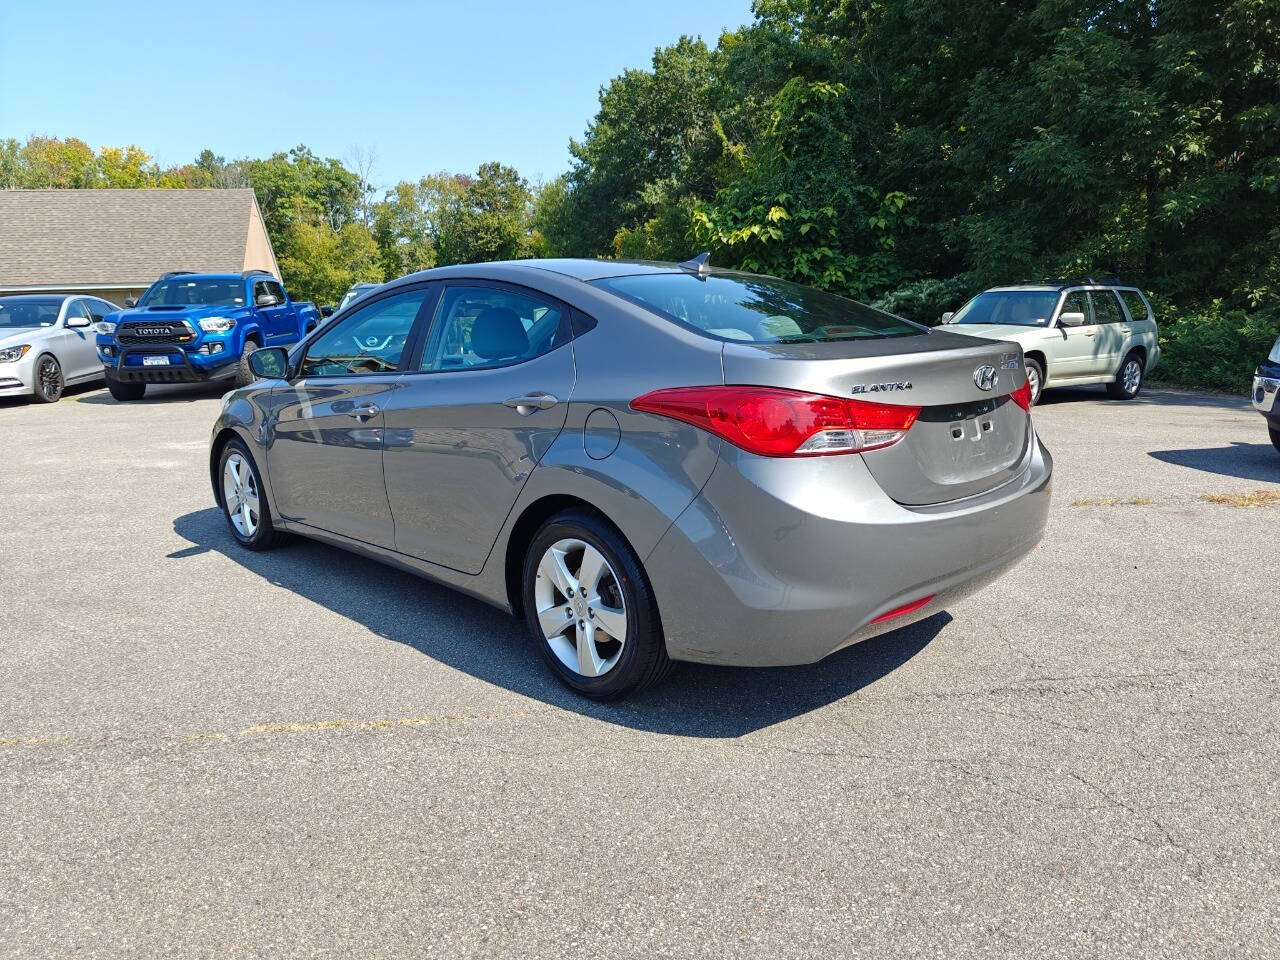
[1128,382]
[243,499]
[590,608]
[49,382]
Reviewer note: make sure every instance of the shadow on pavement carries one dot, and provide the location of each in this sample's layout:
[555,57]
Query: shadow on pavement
[468,635]
[1157,397]
[165,393]
[1248,461]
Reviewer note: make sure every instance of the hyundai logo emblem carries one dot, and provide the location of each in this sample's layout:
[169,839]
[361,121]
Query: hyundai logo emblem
[984,378]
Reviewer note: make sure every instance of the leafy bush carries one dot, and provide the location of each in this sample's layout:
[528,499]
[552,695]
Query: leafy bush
[1212,347]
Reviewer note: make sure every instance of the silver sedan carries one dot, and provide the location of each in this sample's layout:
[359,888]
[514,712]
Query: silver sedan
[47,343]
[646,463]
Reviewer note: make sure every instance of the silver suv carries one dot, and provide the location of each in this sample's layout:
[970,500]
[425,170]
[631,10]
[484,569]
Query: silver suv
[1071,333]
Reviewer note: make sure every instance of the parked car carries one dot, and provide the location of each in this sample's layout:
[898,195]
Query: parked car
[46,343]
[1265,383]
[356,291]
[1071,333]
[649,463]
[193,327]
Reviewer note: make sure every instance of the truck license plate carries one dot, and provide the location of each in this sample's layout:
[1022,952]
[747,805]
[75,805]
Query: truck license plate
[155,361]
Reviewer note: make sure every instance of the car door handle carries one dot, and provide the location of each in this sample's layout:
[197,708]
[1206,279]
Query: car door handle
[1090,332]
[530,402]
[365,411]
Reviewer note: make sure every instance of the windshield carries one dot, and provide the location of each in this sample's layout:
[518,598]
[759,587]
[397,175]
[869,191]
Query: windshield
[1013,308]
[756,309]
[184,291]
[21,312]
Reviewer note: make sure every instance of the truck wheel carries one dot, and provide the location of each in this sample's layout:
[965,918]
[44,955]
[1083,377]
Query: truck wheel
[125,391]
[244,374]
[243,499]
[1128,382]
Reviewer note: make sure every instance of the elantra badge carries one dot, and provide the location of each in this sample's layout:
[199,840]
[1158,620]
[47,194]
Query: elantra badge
[882,387]
[984,378]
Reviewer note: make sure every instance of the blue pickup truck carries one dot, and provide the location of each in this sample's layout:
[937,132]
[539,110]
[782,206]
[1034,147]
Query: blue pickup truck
[195,327]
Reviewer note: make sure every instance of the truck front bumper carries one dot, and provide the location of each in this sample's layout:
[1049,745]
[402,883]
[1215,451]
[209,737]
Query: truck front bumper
[167,365]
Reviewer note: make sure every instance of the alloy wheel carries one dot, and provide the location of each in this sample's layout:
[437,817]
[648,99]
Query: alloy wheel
[49,378]
[580,607]
[1132,376]
[240,495]
[1033,380]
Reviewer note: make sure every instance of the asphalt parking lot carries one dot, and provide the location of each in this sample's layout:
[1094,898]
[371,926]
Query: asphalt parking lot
[206,752]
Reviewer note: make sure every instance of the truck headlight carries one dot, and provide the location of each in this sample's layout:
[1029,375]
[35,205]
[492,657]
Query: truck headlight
[105,327]
[216,324]
[10,354]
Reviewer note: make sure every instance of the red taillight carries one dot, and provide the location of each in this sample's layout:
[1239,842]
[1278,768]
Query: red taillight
[903,610]
[783,423]
[1022,396]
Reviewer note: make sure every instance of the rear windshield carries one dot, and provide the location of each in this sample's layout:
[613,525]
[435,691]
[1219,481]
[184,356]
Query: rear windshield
[1013,308]
[756,309]
[181,291]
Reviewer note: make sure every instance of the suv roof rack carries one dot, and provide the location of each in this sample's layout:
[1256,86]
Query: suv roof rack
[253,273]
[1112,281]
[175,273]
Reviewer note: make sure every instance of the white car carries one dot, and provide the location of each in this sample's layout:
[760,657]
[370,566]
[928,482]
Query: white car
[47,343]
[1071,334]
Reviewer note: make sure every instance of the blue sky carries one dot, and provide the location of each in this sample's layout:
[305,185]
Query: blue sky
[428,86]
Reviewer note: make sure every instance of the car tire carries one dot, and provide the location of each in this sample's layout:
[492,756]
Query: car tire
[1035,377]
[244,501]
[244,373]
[49,380]
[1128,382]
[125,391]
[576,633]
[1275,437]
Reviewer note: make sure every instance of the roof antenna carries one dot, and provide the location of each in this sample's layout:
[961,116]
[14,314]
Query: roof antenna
[701,264]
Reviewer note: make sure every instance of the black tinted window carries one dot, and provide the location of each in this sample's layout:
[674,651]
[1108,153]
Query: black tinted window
[756,309]
[1106,308]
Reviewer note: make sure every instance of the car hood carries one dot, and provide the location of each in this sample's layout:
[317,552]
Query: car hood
[14,336]
[1000,331]
[172,314]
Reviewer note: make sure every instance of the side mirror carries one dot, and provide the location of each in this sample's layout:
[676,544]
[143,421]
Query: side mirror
[130,302]
[269,363]
[326,310]
[265,300]
[1073,319]
[946,317]
[78,322]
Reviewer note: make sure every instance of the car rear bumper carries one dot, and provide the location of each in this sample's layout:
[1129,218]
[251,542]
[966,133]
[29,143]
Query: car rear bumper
[782,562]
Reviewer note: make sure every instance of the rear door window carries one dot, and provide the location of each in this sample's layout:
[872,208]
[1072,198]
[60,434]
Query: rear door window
[1137,309]
[1106,308]
[485,327]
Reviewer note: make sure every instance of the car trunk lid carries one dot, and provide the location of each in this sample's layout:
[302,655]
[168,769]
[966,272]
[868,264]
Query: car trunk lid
[966,439]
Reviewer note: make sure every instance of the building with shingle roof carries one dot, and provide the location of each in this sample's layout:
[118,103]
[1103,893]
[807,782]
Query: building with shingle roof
[115,243]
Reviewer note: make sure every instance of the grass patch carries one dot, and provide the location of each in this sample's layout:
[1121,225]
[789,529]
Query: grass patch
[1129,502]
[1259,498]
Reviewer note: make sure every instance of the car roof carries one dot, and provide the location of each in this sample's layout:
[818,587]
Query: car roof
[42,297]
[577,269]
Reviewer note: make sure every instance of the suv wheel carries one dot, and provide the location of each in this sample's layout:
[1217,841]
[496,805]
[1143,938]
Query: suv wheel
[1035,377]
[49,381]
[1128,382]
[243,500]
[244,374]
[125,391]
[590,608]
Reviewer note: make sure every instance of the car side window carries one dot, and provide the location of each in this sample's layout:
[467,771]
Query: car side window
[275,289]
[76,308]
[370,340]
[1137,308]
[484,327]
[1106,308]
[98,309]
[1077,302]
[259,288]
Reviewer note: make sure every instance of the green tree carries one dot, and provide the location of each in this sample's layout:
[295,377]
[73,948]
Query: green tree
[321,262]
